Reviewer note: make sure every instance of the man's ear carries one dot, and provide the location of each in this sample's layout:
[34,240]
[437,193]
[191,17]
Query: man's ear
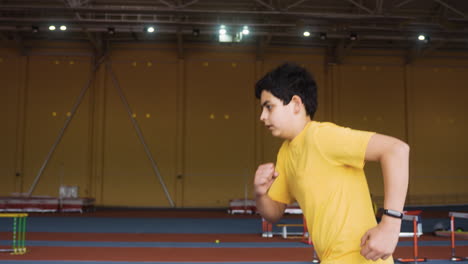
[298,105]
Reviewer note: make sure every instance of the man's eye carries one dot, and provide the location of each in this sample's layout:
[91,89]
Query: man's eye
[268,107]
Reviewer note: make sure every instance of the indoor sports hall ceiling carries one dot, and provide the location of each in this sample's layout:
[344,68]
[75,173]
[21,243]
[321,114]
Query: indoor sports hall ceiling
[394,24]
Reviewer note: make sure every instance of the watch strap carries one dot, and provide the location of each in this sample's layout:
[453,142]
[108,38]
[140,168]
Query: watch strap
[393,213]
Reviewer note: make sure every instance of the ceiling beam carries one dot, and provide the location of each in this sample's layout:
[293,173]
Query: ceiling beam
[3,36]
[262,44]
[19,43]
[432,48]
[413,53]
[135,36]
[168,11]
[179,4]
[4,39]
[180,44]
[338,52]
[361,6]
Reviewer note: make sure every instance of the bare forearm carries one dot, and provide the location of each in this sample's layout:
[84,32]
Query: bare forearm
[395,169]
[393,155]
[271,210]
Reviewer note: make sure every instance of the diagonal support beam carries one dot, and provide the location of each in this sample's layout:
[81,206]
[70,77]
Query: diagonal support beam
[265,4]
[402,3]
[361,6]
[453,9]
[295,4]
[187,4]
[379,6]
[84,2]
[167,3]
[65,125]
[72,4]
[138,131]
[97,41]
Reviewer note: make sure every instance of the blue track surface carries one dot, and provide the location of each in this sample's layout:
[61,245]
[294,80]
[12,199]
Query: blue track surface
[172,225]
[176,226]
[204,244]
[146,262]
[138,225]
[164,244]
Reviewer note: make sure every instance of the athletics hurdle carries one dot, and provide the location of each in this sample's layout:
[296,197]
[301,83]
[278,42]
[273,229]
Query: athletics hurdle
[267,231]
[413,216]
[19,233]
[267,228]
[452,216]
[306,238]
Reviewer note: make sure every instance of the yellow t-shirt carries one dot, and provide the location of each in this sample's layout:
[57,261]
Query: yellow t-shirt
[323,170]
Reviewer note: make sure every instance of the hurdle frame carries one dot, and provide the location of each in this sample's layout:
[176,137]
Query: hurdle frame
[452,216]
[18,232]
[305,237]
[413,216]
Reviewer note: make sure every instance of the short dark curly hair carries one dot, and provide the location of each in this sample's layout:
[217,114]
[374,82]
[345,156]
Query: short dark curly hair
[288,80]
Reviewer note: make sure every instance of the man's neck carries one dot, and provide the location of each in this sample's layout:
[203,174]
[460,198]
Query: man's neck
[300,125]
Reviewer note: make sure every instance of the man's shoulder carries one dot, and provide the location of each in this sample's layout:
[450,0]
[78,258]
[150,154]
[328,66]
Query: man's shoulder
[323,127]
[329,132]
[329,127]
[324,124]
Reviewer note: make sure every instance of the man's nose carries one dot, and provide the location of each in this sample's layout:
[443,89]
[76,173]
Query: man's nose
[263,116]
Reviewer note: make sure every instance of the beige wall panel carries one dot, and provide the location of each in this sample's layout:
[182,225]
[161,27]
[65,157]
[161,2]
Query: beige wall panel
[376,58]
[224,52]
[63,47]
[144,53]
[9,86]
[439,129]
[439,59]
[150,88]
[54,84]
[219,135]
[315,65]
[372,98]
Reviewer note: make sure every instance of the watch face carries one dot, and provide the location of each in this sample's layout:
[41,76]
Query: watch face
[393,213]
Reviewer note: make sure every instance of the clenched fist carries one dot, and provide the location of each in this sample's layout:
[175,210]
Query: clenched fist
[264,178]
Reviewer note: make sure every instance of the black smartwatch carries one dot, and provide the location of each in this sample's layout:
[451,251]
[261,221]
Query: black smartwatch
[393,213]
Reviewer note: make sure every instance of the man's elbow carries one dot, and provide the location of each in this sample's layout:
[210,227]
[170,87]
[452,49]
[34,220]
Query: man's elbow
[404,147]
[400,148]
[274,218]
[272,213]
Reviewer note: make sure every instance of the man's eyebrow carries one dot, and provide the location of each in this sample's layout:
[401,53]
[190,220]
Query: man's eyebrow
[265,103]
